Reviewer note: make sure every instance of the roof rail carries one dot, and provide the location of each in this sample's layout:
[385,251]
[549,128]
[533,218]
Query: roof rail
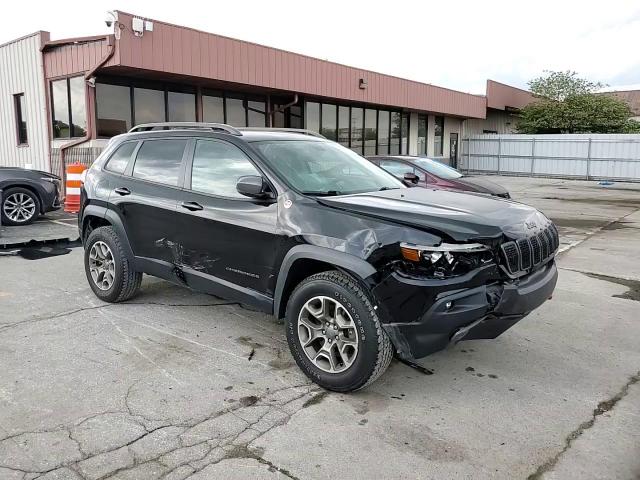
[285,130]
[221,127]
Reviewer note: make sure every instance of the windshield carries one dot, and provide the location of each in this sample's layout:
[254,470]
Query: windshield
[436,168]
[324,168]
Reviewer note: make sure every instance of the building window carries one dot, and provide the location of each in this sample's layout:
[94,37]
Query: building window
[383,132]
[312,116]
[370,131]
[213,108]
[235,112]
[357,119]
[396,129]
[343,126]
[438,134]
[148,106]
[256,112]
[69,107]
[422,134]
[329,121]
[21,119]
[181,107]
[405,134]
[113,109]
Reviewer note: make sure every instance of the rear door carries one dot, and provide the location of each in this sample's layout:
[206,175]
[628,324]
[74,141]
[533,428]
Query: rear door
[145,196]
[229,241]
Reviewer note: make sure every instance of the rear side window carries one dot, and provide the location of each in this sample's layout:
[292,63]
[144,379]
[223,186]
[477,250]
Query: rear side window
[120,158]
[159,161]
[217,167]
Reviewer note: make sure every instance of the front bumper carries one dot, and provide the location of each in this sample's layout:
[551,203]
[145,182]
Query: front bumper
[465,311]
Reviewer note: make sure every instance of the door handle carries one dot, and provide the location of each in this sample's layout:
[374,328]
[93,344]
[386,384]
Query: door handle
[193,206]
[122,191]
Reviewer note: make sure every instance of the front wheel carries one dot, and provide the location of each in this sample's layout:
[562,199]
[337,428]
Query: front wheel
[19,206]
[334,332]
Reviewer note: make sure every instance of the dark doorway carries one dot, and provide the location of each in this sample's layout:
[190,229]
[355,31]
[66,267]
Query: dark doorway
[453,149]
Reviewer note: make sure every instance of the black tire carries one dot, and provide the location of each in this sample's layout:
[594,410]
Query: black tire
[126,280]
[7,195]
[375,350]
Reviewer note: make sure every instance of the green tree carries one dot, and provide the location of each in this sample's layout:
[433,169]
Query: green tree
[569,104]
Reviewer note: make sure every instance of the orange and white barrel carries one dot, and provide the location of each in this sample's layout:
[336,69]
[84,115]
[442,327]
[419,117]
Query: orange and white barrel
[72,187]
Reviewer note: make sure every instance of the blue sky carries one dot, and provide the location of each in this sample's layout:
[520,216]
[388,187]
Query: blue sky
[456,44]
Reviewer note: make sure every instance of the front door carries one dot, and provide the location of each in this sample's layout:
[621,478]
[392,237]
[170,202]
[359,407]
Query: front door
[228,240]
[453,149]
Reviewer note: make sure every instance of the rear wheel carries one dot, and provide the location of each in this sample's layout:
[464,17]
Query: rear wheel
[19,206]
[334,333]
[109,270]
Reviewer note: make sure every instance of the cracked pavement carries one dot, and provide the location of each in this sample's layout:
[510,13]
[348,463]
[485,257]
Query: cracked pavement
[176,385]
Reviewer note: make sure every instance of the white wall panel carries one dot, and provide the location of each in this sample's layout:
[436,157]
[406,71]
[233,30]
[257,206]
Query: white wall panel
[21,71]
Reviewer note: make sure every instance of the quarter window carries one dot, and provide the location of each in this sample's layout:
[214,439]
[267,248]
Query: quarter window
[217,166]
[120,158]
[21,120]
[159,161]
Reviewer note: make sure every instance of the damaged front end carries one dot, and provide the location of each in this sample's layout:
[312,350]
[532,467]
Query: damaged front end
[432,296]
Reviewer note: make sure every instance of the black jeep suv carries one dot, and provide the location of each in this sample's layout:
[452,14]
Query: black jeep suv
[359,266]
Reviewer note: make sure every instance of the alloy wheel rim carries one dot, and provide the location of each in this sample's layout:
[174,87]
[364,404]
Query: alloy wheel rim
[102,265]
[327,334]
[19,207]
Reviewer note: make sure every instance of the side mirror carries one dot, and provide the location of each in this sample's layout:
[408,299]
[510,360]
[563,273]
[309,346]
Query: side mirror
[254,186]
[412,178]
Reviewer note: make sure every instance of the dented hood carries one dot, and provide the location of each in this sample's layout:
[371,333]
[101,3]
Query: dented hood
[461,216]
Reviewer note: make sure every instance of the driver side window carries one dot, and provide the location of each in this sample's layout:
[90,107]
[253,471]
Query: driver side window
[217,166]
[398,169]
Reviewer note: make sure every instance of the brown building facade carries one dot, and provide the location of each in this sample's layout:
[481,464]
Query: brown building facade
[151,71]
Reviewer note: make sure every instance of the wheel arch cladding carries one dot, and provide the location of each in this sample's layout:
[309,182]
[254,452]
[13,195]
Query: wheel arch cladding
[305,260]
[106,217]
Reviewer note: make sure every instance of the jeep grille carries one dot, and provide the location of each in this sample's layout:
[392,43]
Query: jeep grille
[522,255]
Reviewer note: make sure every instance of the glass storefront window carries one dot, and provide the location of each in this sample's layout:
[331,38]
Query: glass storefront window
[77,100]
[383,132]
[236,113]
[312,116]
[343,126]
[329,128]
[422,134]
[181,107]
[113,108]
[357,127]
[69,107]
[395,133]
[60,107]
[405,134]
[295,117]
[438,133]
[370,131]
[148,105]
[213,108]
[256,113]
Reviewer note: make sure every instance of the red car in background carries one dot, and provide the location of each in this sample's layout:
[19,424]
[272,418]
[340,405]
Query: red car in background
[425,172]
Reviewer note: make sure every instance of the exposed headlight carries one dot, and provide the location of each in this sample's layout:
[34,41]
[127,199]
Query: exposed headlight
[446,259]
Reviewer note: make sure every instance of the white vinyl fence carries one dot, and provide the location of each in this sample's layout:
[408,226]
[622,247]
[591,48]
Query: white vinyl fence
[586,156]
